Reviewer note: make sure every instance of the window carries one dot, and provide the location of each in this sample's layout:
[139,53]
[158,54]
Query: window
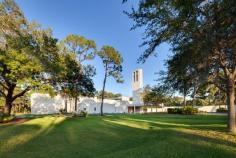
[136,75]
[95,109]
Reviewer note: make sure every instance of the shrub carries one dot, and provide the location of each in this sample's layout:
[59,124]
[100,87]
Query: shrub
[174,110]
[80,114]
[62,111]
[6,118]
[83,113]
[222,110]
[1,117]
[188,110]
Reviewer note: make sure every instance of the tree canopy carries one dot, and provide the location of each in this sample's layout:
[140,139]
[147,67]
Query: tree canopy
[108,95]
[28,54]
[202,36]
[32,59]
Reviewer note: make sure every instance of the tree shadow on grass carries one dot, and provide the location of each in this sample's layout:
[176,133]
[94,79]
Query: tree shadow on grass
[170,124]
[16,135]
[98,137]
[185,144]
[198,122]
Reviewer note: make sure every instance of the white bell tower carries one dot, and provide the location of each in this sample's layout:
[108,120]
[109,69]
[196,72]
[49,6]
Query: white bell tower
[137,87]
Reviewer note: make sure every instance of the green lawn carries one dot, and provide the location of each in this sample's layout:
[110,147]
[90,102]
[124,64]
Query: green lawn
[119,136]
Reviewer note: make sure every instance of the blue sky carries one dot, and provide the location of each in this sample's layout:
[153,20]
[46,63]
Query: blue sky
[104,22]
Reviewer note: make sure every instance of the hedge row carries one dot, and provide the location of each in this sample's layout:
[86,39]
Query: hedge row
[223,110]
[188,110]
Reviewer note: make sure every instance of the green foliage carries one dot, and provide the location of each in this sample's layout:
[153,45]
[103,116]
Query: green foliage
[202,37]
[174,111]
[188,110]
[28,54]
[80,114]
[62,111]
[83,114]
[1,116]
[5,118]
[112,61]
[108,95]
[75,81]
[222,110]
[1,101]
[85,49]
[153,96]
[174,101]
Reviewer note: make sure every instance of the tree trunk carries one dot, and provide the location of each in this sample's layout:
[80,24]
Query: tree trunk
[76,100]
[103,89]
[194,95]
[8,106]
[231,105]
[9,100]
[184,99]
[66,104]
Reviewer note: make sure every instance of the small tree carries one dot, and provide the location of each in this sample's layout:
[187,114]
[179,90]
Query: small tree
[154,96]
[112,61]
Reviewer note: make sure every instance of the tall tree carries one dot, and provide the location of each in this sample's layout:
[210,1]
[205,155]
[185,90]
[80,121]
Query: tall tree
[76,81]
[84,49]
[112,61]
[28,54]
[204,29]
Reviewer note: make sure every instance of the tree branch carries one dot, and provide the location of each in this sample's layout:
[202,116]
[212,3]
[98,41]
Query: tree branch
[4,86]
[222,63]
[1,92]
[21,93]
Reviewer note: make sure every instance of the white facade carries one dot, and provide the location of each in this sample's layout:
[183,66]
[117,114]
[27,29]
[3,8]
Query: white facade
[44,104]
[137,87]
[93,105]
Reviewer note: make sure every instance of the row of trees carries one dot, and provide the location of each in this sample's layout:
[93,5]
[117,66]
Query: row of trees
[202,36]
[31,59]
[205,95]
[108,95]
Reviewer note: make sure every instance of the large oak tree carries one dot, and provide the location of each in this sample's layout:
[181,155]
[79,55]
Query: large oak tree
[28,54]
[202,30]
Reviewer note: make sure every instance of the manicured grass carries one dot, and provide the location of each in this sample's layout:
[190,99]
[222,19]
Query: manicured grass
[119,136]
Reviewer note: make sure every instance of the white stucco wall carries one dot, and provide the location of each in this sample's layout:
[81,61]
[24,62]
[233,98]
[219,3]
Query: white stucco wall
[92,105]
[45,104]
[200,108]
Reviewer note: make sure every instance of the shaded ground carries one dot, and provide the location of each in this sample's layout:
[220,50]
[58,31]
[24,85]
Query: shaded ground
[126,136]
